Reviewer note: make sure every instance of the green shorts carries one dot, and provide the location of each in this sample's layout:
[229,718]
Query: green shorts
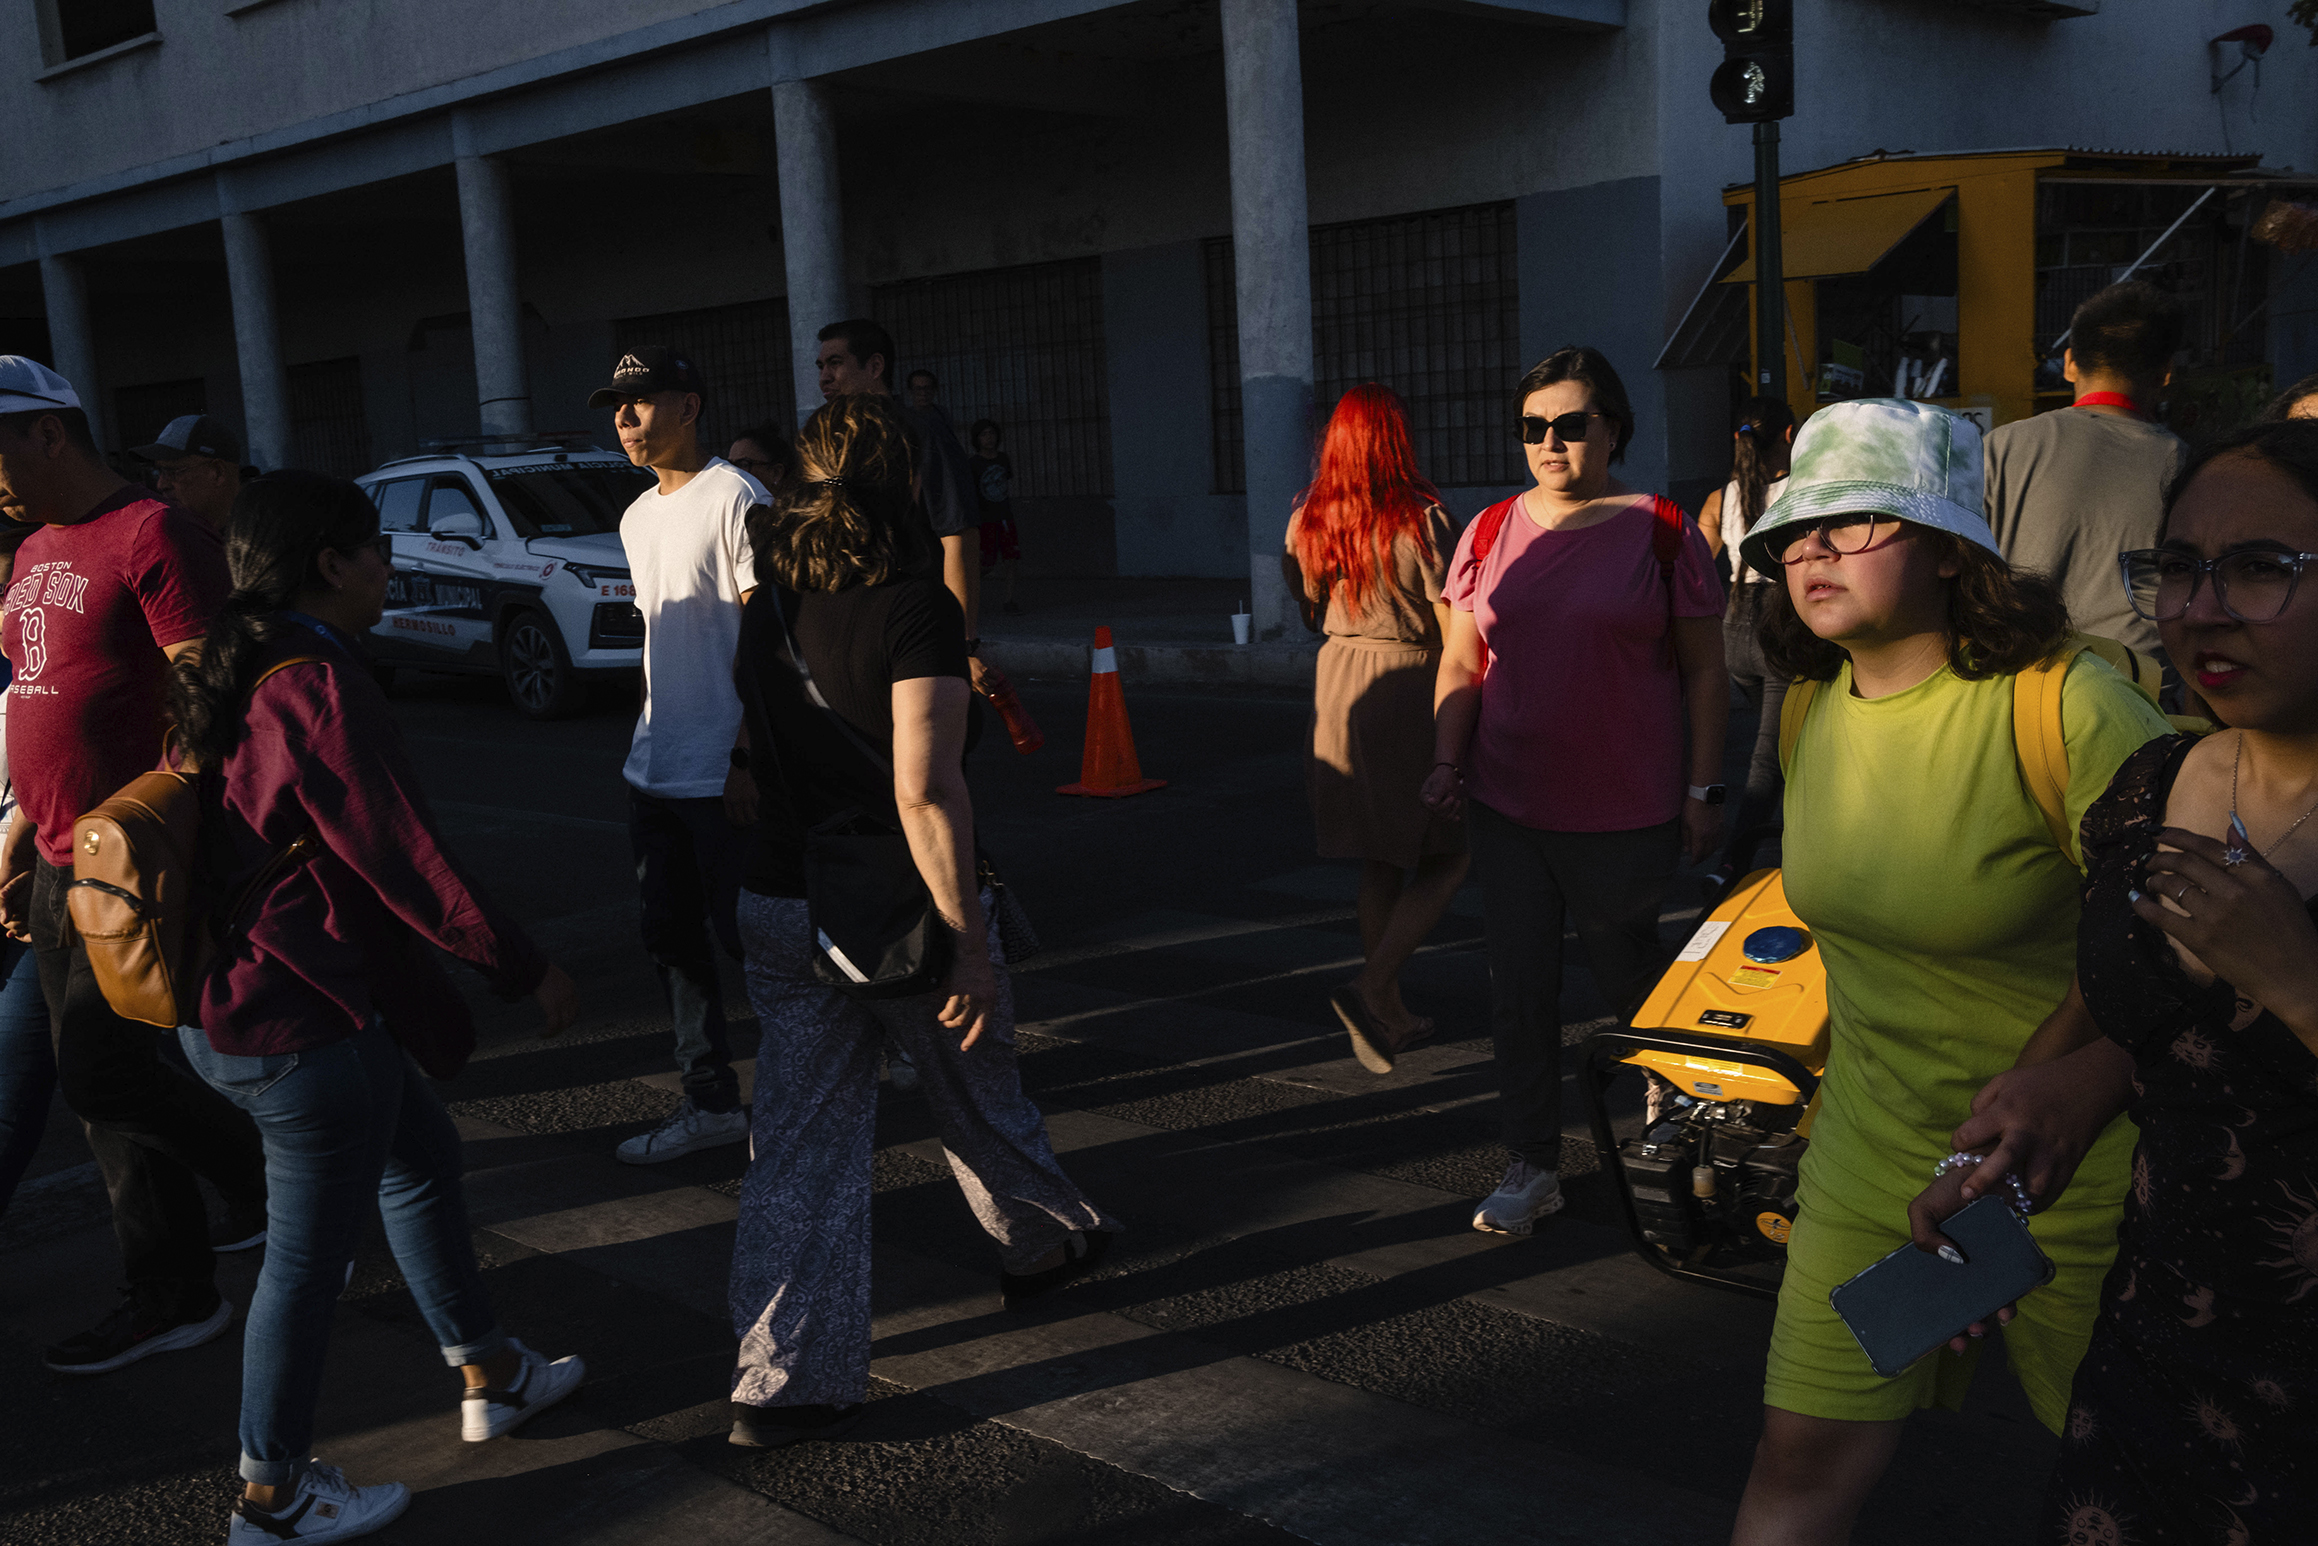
[1846,1224]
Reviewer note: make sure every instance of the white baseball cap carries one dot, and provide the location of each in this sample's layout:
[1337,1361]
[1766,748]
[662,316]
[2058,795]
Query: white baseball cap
[26,386]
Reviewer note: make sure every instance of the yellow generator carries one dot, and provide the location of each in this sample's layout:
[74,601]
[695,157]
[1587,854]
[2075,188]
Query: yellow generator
[1737,1028]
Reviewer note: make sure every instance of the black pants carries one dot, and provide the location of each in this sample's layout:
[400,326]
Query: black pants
[688,868]
[1608,885]
[151,1125]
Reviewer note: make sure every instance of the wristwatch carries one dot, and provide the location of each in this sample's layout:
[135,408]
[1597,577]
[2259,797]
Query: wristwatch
[1712,794]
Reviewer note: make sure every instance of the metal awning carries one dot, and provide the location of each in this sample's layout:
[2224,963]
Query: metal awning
[1844,236]
[1714,329]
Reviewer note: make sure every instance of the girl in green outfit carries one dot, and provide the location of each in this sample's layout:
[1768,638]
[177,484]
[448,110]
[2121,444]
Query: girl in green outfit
[1944,910]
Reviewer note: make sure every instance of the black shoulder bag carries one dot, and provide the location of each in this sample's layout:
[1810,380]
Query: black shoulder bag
[878,932]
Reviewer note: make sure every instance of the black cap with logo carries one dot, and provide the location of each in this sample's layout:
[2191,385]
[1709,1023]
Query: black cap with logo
[647,369]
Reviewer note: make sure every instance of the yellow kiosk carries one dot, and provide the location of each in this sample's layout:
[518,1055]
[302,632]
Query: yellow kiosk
[1952,278]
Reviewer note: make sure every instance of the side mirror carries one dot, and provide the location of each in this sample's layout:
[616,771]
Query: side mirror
[460,525]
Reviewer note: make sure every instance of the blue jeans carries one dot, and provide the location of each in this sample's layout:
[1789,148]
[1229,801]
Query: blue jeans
[688,868]
[341,1124]
[27,1063]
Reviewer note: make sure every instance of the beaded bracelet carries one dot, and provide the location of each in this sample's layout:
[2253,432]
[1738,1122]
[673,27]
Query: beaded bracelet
[2022,1203]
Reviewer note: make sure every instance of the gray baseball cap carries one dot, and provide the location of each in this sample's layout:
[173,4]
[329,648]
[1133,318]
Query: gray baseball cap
[192,434]
[27,386]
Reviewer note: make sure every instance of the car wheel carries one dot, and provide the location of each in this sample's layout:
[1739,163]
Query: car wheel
[537,668]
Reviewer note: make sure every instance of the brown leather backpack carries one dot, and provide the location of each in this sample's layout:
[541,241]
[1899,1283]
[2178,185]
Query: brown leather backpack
[136,901]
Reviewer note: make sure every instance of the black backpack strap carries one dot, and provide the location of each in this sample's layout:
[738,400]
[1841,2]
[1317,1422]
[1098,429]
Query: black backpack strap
[794,659]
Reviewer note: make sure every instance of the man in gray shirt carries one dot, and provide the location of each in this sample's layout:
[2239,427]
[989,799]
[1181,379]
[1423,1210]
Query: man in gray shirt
[2070,490]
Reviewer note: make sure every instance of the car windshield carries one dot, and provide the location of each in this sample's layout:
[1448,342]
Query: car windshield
[545,500]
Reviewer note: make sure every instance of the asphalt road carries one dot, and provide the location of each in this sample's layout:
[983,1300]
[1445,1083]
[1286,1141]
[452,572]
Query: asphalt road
[1299,1337]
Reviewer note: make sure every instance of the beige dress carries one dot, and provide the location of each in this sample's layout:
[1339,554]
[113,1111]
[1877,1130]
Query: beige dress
[1372,706]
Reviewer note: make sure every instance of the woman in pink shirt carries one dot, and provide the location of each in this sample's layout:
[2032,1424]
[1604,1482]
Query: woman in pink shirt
[1585,635]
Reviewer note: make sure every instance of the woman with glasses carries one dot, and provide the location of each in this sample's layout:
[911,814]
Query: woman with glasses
[2195,1411]
[1943,910]
[321,1009]
[1368,553]
[1584,639]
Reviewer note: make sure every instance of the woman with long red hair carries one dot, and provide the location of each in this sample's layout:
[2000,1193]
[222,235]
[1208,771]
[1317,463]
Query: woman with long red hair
[1368,550]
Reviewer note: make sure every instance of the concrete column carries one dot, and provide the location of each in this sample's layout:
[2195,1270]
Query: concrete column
[1272,257]
[71,341]
[487,224]
[812,224]
[257,340]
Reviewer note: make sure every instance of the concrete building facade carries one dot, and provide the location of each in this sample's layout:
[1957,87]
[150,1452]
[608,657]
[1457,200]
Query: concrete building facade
[1153,238]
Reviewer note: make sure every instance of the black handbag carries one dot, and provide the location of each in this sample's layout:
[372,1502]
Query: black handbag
[874,923]
[877,932]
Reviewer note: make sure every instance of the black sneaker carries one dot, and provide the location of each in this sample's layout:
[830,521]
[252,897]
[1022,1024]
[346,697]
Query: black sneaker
[242,1229]
[778,1427]
[132,1332]
[1081,1255]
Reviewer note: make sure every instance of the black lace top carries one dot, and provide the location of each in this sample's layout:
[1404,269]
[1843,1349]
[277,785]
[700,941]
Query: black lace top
[2196,1407]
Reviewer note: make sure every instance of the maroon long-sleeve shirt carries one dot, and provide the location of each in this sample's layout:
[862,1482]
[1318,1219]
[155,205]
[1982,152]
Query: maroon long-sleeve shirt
[337,940]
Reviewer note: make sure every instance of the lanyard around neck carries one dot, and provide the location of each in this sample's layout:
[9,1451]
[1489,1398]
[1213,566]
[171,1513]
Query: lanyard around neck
[2110,400]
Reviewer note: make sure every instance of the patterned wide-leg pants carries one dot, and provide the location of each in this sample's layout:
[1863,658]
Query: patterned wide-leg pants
[800,1268]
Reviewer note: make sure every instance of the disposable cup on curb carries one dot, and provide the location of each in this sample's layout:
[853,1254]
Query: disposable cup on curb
[1242,626]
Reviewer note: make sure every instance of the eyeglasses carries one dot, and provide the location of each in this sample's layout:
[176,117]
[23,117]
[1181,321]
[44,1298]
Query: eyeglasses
[1567,426]
[1842,535]
[2254,586]
[382,545]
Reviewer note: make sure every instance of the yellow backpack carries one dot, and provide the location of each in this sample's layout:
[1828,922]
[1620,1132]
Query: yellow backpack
[2036,722]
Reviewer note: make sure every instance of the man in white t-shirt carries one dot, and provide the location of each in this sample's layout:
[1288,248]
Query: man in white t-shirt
[688,785]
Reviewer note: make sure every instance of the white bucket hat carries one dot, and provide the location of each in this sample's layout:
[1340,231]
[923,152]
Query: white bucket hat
[1885,455]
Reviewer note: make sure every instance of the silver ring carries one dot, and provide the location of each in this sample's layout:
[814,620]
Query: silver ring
[2186,888]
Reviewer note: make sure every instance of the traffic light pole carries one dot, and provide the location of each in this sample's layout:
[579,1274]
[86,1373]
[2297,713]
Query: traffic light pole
[1770,274]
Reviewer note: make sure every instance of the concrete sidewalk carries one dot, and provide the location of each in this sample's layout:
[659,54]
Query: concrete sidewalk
[1163,630]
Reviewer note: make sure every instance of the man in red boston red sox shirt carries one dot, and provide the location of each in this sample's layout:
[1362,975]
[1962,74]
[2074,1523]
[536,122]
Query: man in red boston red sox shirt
[113,585]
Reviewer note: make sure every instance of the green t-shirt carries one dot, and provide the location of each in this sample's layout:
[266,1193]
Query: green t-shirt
[1946,915]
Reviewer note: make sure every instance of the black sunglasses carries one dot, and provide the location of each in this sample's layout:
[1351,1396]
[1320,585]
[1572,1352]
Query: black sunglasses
[1567,426]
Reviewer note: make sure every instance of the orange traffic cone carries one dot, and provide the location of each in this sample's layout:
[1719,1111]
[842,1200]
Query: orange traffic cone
[1109,769]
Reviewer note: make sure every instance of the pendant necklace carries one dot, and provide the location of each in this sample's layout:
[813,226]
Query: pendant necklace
[2241,846]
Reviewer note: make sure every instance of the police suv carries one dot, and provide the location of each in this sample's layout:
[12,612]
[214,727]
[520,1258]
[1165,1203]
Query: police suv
[510,562]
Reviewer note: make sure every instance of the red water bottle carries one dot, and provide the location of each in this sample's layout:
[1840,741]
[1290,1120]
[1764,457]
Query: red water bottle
[1021,729]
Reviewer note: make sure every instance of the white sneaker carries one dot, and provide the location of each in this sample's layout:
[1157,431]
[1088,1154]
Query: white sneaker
[1526,1195]
[691,1128]
[325,1507]
[486,1413]
[900,1069]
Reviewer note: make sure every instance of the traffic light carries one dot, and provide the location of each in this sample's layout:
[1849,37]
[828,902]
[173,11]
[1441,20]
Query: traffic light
[1756,80]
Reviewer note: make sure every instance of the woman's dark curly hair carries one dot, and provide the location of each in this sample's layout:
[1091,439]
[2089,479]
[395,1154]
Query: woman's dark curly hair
[274,540]
[845,518]
[2001,620]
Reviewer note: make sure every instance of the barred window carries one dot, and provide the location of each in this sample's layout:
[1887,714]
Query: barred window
[1429,305]
[743,350]
[1023,346]
[2088,234]
[329,432]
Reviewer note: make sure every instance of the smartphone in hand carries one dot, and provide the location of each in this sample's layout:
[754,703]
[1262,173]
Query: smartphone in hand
[1912,1301]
